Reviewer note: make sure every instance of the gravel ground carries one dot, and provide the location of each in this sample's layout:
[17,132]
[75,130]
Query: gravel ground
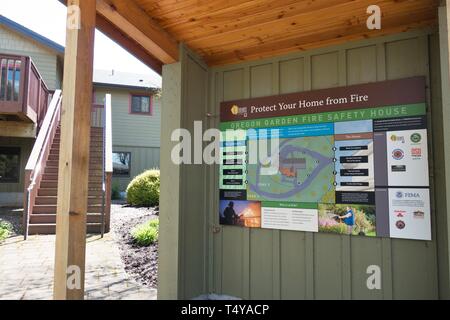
[14,217]
[140,262]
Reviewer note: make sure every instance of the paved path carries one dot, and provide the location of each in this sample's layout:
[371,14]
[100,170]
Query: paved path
[26,270]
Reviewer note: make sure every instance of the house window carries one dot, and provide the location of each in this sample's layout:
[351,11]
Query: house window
[141,104]
[121,164]
[9,165]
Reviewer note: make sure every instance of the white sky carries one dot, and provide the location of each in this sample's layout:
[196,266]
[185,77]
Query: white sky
[48,18]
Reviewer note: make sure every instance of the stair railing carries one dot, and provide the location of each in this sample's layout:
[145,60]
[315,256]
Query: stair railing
[39,156]
[107,165]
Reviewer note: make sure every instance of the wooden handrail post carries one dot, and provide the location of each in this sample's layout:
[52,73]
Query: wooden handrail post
[38,107]
[108,164]
[70,248]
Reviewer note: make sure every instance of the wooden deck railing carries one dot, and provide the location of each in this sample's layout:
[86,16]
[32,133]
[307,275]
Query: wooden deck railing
[97,115]
[23,92]
[35,167]
[101,117]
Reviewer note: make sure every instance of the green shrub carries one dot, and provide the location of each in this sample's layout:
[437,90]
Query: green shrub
[143,190]
[147,233]
[115,192]
[5,230]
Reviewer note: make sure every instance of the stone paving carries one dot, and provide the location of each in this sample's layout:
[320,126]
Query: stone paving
[26,270]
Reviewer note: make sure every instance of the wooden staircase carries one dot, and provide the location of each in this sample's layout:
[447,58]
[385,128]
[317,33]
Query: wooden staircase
[41,172]
[42,219]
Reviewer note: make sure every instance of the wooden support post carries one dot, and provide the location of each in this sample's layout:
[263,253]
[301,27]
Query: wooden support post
[74,153]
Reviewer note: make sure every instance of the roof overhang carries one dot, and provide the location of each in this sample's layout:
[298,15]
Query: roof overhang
[34,36]
[225,32]
[125,87]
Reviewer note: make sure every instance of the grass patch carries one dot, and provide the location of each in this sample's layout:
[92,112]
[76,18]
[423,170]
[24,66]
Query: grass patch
[5,230]
[147,233]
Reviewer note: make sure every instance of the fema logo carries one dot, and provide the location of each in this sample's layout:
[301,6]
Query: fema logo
[416,137]
[398,154]
[399,194]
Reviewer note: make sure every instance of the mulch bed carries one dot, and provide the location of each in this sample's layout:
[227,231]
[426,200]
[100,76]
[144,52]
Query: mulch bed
[141,263]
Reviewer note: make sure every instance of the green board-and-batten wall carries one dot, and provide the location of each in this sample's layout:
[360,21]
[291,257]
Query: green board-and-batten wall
[199,256]
[184,222]
[266,264]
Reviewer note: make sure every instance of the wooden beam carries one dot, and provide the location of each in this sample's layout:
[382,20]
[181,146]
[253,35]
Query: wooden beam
[137,25]
[17,129]
[73,173]
[128,44]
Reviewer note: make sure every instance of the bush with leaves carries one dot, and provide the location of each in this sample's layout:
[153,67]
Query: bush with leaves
[147,233]
[115,192]
[143,190]
[5,230]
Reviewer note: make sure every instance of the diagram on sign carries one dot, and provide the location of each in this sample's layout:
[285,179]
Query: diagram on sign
[305,171]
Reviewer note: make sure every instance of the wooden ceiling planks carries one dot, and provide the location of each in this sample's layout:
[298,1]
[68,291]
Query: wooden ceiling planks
[230,31]
[330,26]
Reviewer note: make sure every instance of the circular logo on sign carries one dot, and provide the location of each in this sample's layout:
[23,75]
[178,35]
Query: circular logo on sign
[398,154]
[416,137]
[235,110]
[400,224]
[399,194]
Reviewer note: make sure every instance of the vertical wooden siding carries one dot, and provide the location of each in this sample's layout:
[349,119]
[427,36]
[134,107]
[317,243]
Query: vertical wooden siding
[193,219]
[265,264]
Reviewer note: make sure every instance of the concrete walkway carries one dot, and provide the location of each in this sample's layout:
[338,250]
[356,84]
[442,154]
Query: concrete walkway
[26,270]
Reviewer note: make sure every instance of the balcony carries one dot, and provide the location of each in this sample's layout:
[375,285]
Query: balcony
[24,96]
